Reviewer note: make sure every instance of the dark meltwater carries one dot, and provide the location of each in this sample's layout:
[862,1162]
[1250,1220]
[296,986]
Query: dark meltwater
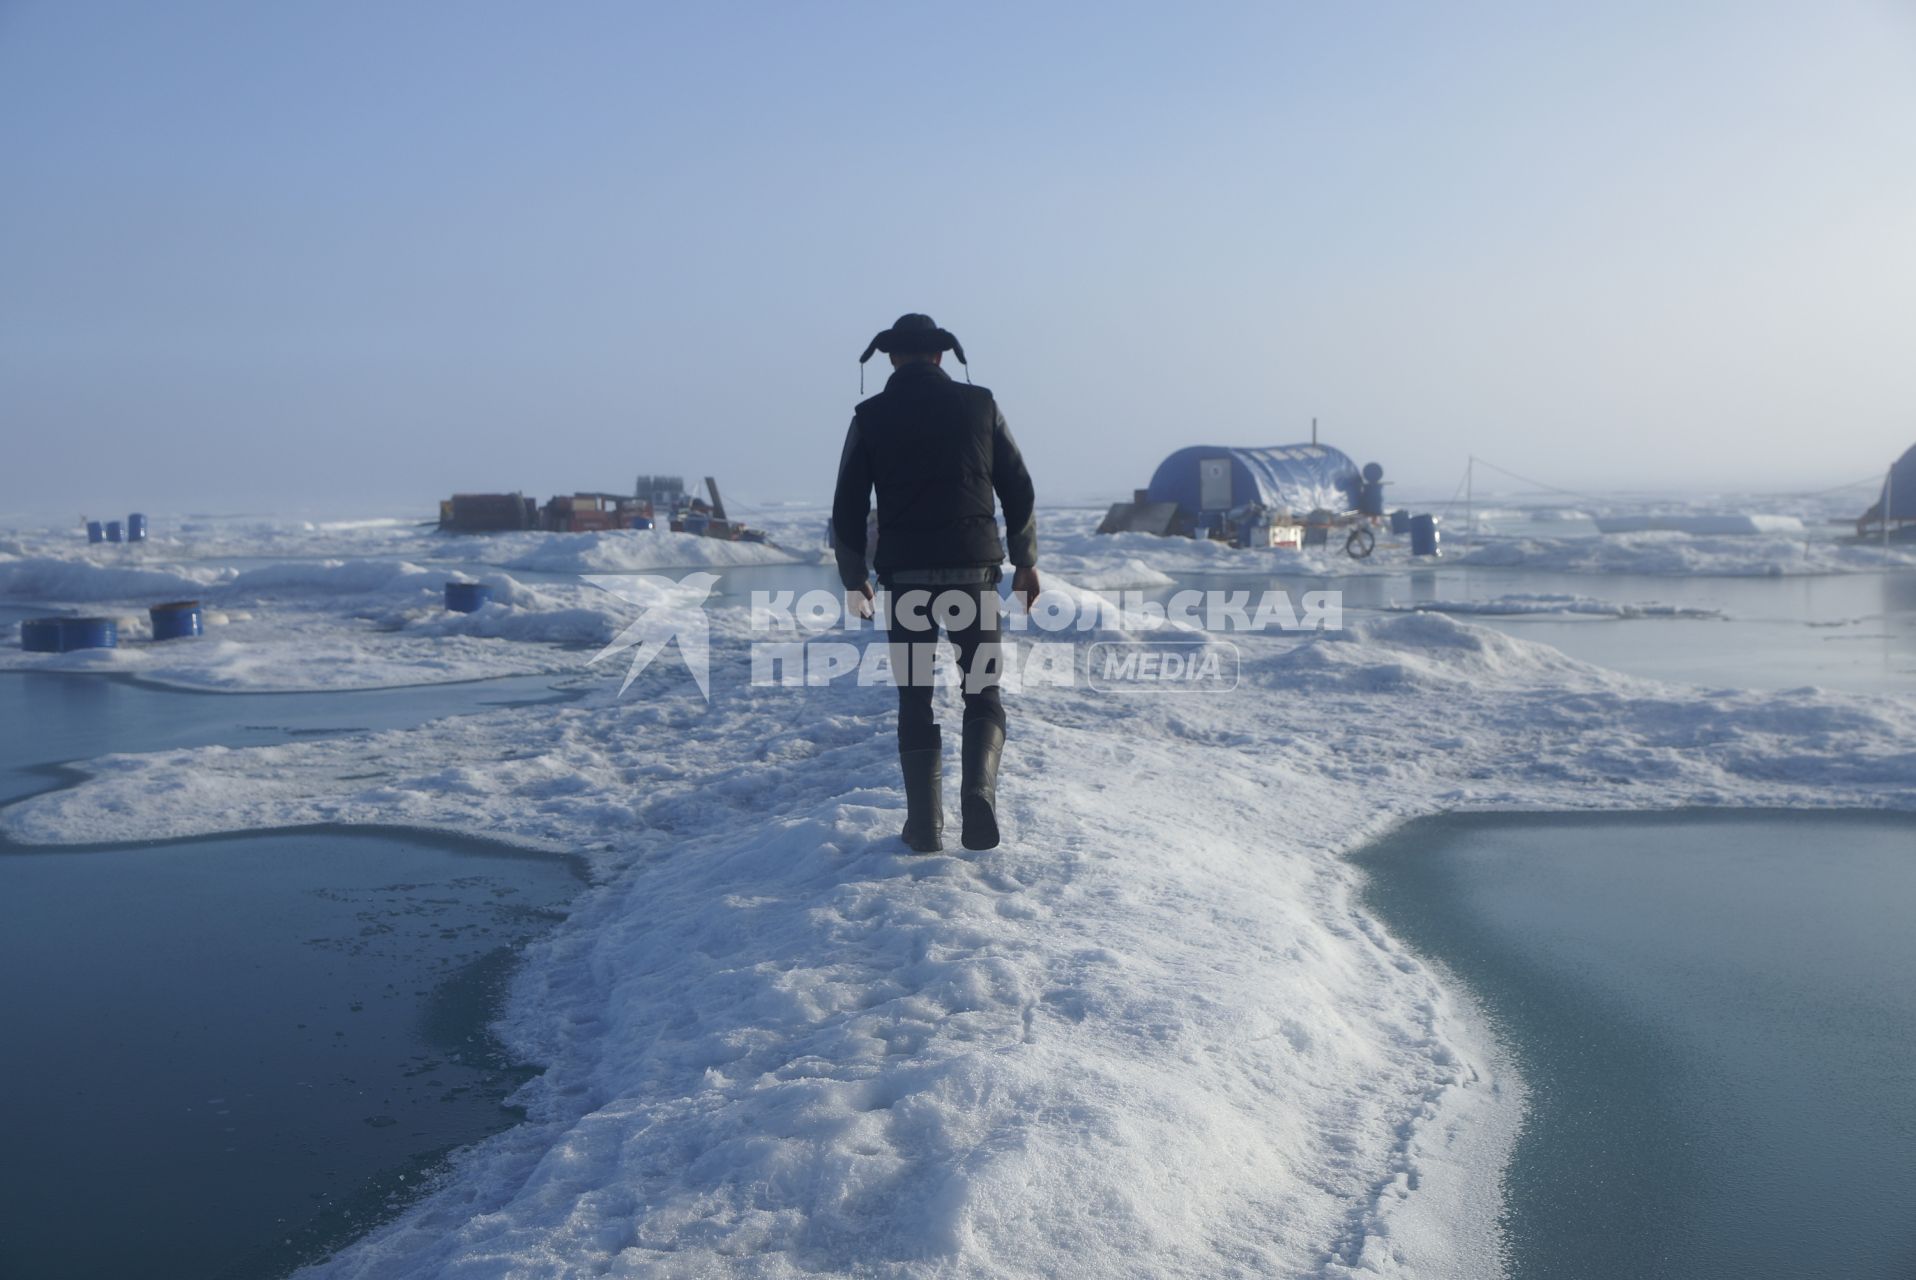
[49,717]
[1714,1018]
[222,1057]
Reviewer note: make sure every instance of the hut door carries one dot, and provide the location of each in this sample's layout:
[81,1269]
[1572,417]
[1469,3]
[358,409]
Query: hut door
[1214,484]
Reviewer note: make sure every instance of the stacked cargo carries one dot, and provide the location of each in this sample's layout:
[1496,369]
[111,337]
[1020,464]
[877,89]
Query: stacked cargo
[488,513]
[654,499]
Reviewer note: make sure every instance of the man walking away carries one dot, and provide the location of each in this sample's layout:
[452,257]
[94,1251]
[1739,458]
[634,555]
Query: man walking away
[937,451]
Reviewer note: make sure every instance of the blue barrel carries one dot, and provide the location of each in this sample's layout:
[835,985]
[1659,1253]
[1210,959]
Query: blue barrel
[136,528]
[639,522]
[177,619]
[113,531]
[1423,536]
[1317,528]
[1400,522]
[1370,494]
[89,633]
[467,597]
[40,635]
[95,531]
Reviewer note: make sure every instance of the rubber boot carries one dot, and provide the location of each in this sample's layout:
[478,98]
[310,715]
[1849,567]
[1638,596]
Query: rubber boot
[978,792]
[924,771]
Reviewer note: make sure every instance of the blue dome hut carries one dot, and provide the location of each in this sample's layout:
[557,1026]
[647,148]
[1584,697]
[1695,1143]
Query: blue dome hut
[1208,480]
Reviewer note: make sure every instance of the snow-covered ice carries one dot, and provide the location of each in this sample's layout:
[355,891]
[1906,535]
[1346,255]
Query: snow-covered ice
[624,551]
[207,538]
[318,624]
[1071,546]
[1155,1034]
[1712,523]
[313,622]
[1659,552]
[1536,603]
[78,580]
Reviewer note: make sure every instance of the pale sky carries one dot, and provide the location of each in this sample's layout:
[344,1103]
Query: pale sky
[355,256]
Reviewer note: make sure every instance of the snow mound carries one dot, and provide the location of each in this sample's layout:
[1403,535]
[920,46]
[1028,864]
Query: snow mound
[54,580]
[621,551]
[1415,652]
[549,626]
[1133,573]
[1093,616]
[338,577]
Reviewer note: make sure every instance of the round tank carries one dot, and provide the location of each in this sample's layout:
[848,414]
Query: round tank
[177,620]
[1424,536]
[89,633]
[467,597]
[40,635]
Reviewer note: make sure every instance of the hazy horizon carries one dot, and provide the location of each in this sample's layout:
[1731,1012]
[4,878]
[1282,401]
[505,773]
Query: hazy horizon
[352,258]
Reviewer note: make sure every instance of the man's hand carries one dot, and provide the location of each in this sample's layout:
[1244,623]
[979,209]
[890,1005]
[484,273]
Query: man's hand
[1024,585]
[860,601]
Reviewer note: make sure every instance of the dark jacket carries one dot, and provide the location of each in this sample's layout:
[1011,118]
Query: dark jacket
[937,451]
